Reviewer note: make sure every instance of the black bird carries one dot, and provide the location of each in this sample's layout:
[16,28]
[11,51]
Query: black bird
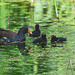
[36,32]
[19,38]
[41,41]
[57,39]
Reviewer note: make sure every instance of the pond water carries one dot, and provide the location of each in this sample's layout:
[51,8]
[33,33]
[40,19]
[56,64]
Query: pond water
[59,60]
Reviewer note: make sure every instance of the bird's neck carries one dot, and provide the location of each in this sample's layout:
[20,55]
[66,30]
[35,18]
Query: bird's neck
[36,29]
[20,34]
[44,38]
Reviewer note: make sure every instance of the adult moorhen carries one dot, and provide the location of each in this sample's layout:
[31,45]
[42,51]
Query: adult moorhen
[41,41]
[19,38]
[57,39]
[36,32]
[16,37]
[13,35]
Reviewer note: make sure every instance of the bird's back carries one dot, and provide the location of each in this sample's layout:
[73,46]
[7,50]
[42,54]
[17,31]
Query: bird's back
[7,33]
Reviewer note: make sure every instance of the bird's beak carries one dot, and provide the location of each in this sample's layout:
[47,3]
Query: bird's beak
[29,31]
[50,35]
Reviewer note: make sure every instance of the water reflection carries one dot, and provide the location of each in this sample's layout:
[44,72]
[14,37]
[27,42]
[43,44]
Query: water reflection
[19,17]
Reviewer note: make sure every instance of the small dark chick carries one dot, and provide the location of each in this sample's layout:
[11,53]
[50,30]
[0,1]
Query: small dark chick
[55,40]
[41,41]
[36,32]
[58,39]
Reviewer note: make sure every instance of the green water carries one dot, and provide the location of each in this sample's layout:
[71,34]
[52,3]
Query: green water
[40,61]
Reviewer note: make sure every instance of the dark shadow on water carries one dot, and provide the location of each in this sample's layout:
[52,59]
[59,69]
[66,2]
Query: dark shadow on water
[57,44]
[20,45]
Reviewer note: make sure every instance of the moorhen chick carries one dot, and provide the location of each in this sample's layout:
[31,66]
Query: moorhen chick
[57,39]
[36,32]
[41,41]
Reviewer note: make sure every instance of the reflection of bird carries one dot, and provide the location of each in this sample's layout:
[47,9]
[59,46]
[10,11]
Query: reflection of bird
[36,32]
[41,41]
[19,38]
[25,51]
[58,39]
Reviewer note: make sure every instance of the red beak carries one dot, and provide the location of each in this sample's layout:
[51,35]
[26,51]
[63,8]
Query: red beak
[51,36]
[29,31]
